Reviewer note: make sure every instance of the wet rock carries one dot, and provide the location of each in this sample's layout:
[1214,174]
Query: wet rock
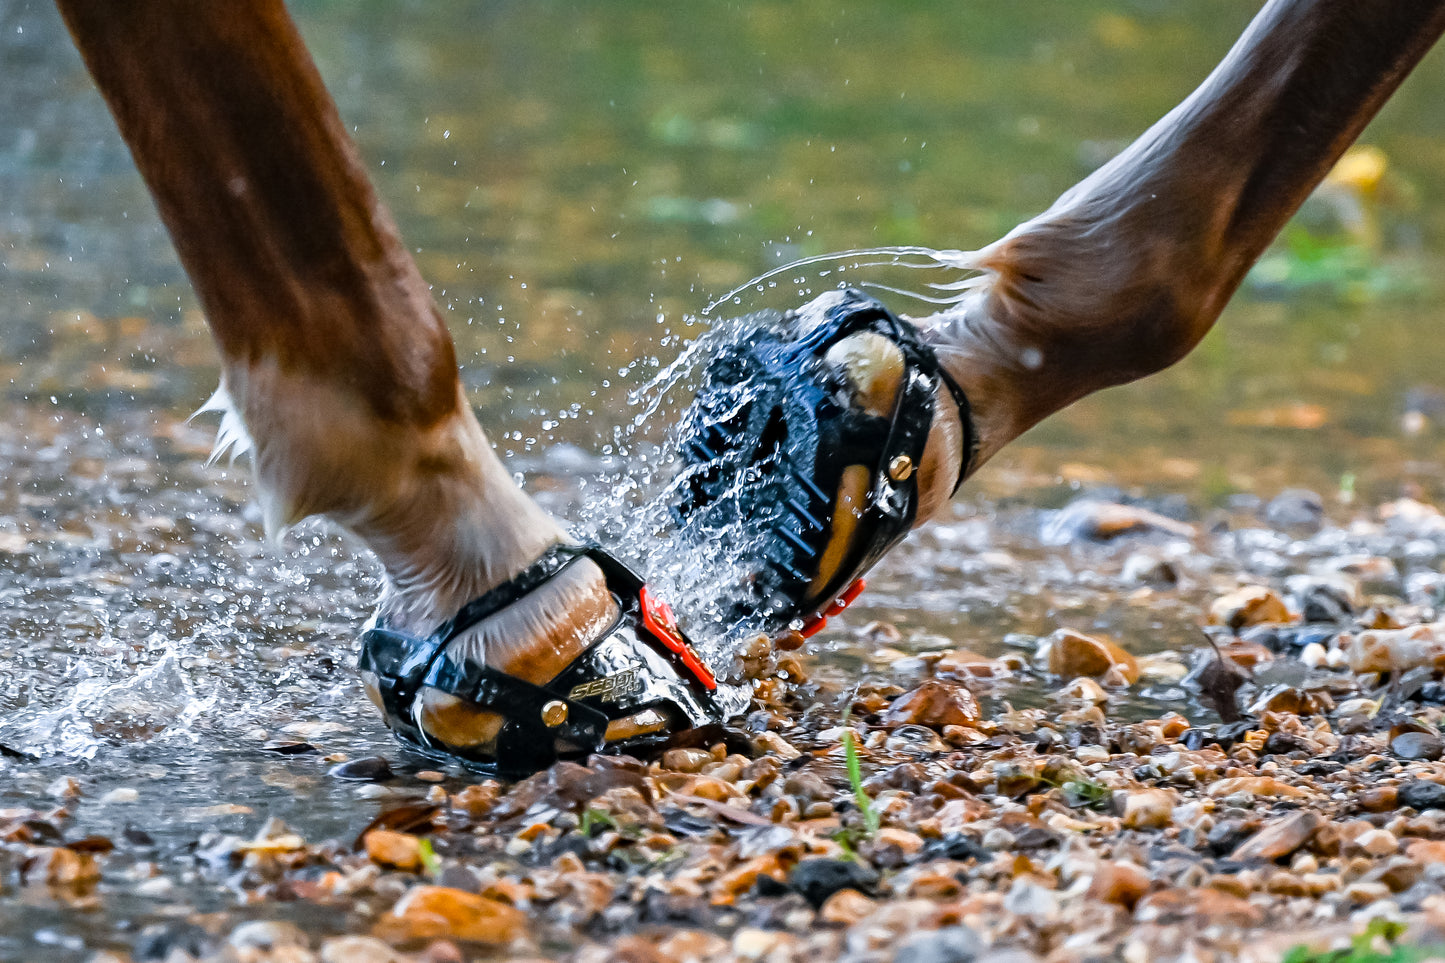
[817,879]
[365,769]
[1144,568]
[1072,654]
[266,939]
[357,949]
[1149,808]
[1296,510]
[846,907]
[1250,605]
[288,747]
[1255,786]
[1395,650]
[1091,519]
[1325,598]
[1375,842]
[951,944]
[1118,882]
[398,850]
[1227,835]
[439,912]
[1418,745]
[1292,701]
[934,704]
[956,846]
[160,942]
[686,760]
[1181,905]
[1279,838]
[1283,743]
[1421,794]
[964,664]
[59,866]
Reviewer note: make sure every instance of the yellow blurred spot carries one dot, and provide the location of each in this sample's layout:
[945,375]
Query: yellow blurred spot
[1361,169]
[1305,417]
[1118,32]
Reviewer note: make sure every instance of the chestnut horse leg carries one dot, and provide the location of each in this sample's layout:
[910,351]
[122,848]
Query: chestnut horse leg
[334,357]
[1130,268]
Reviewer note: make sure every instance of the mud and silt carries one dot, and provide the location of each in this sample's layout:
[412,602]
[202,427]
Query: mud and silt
[1056,765]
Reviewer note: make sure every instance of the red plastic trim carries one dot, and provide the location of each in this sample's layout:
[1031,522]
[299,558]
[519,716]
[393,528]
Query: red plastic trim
[658,619]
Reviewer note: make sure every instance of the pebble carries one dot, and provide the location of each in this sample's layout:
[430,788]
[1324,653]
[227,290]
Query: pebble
[846,907]
[1149,808]
[365,769]
[1101,521]
[399,850]
[121,795]
[1376,842]
[268,936]
[65,787]
[686,760]
[440,912]
[431,775]
[1071,654]
[1421,795]
[934,704]
[1279,838]
[1118,882]
[1143,568]
[1250,605]
[951,944]
[358,949]
[817,879]
[1395,650]
[1418,745]
[1185,904]
[908,842]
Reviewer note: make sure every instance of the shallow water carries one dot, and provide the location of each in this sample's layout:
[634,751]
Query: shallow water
[579,181]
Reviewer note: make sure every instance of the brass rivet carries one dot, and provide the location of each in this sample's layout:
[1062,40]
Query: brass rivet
[900,468]
[554,713]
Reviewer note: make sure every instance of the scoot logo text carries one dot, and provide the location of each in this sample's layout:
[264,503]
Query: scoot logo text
[608,688]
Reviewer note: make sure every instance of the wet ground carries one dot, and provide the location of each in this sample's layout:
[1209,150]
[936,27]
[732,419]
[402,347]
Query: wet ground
[589,176]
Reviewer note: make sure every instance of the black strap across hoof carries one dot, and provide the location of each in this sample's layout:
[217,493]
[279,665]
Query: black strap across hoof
[640,680]
[770,434]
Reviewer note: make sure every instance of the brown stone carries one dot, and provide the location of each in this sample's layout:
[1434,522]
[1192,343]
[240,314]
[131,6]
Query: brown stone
[1278,838]
[1251,605]
[399,850]
[964,664]
[1255,786]
[692,945]
[1178,905]
[476,800]
[1426,850]
[59,866]
[1378,799]
[935,704]
[732,884]
[845,907]
[440,912]
[1072,654]
[1149,808]
[1117,882]
[357,949]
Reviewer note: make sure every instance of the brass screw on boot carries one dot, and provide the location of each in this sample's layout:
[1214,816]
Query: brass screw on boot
[900,468]
[554,714]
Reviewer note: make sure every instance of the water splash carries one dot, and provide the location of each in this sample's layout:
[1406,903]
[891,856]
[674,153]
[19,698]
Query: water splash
[111,702]
[968,264]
